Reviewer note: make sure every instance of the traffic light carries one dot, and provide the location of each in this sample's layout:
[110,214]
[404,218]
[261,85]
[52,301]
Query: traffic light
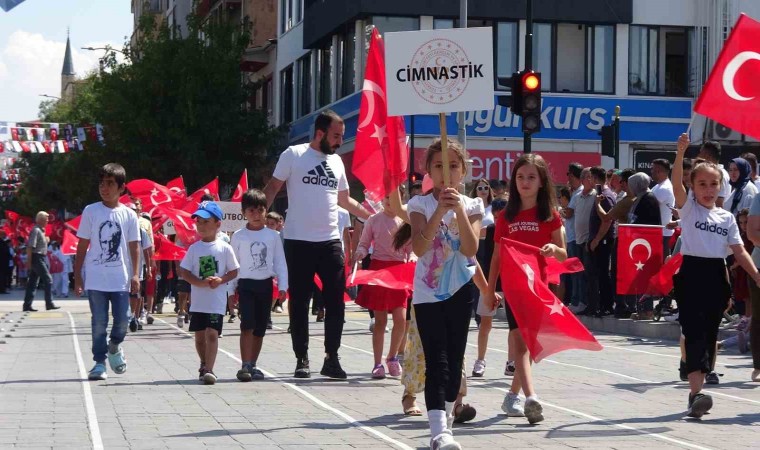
[530,101]
[509,101]
[608,140]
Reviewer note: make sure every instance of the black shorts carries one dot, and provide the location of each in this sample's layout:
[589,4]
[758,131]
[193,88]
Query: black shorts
[183,286]
[409,308]
[510,317]
[200,321]
[254,304]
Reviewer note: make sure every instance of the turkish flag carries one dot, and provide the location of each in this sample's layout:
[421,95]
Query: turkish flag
[179,193]
[24,226]
[318,282]
[166,250]
[74,223]
[12,217]
[546,325]
[662,282]
[54,230]
[381,156]
[400,276]
[150,192]
[70,243]
[731,95]
[639,255]
[184,224]
[212,189]
[241,188]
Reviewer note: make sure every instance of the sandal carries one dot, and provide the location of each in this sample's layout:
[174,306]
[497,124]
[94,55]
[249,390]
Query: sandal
[117,362]
[409,403]
[466,413]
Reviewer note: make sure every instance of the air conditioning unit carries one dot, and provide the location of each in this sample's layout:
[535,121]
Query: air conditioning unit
[722,133]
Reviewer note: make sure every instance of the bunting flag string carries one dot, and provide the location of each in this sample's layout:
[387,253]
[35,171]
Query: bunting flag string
[45,137]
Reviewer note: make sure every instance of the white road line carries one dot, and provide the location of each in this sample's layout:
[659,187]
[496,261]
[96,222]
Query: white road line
[92,418]
[350,420]
[608,422]
[341,344]
[720,394]
[729,366]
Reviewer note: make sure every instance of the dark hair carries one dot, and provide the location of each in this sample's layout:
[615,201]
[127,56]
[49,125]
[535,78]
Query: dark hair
[474,192]
[546,201]
[416,185]
[325,119]
[599,174]
[575,169]
[402,236]
[113,170]
[610,173]
[711,148]
[662,162]
[253,198]
[275,215]
[498,205]
[564,191]
[743,212]
[625,174]
[688,163]
[453,144]
[751,159]
[207,198]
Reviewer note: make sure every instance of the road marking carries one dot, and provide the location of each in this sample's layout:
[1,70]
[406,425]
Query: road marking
[350,420]
[341,344]
[730,366]
[608,422]
[92,418]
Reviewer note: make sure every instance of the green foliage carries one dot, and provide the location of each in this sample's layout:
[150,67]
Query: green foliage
[171,107]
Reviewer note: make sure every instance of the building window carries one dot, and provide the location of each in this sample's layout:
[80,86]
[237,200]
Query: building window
[286,95]
[505,49]
[288,14]
[662,61]
[600,57]
[387,24]
[346,70]
[443,24]
[324,76]
[643,60]
[298,15]
[543,36]
[304,85]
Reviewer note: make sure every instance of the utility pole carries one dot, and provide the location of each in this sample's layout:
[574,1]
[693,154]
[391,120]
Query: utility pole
[528,61]
[461,130]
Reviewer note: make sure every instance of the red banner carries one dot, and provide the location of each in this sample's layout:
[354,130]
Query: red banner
[639,257]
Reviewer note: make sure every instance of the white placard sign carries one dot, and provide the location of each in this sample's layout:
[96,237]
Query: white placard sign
[438,71]
[233,219]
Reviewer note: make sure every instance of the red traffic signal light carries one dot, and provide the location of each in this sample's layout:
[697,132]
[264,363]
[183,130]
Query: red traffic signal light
[531,101]
[531,81]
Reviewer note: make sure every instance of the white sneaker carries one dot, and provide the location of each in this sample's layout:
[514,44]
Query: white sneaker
[671,318]
[371,325]
[180,320]
[509,369]
[479,369]
[278,309]
[533,411]
[444,441]
[512,405]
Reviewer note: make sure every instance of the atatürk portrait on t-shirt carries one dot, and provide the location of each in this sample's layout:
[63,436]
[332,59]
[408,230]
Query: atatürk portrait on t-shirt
[109,238]
[258,255]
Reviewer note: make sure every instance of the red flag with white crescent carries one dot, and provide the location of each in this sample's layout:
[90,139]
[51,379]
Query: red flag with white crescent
[179,193]
[70,243]
[212,189]
[241,188]
[639,257]
[74,223]
[150,192]
[166,250]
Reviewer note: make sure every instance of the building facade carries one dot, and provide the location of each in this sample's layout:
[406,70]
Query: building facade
[649,57]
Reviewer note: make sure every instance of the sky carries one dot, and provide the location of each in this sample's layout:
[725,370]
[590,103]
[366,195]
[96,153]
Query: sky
[33,43]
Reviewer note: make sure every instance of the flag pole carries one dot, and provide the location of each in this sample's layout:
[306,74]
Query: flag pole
[691,122]
[444,149]
[353,274]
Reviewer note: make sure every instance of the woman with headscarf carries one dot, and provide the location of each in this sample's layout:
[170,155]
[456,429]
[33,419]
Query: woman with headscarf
[646,207]
[743,191]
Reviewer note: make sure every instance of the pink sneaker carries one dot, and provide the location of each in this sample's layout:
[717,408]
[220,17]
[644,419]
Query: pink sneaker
[394,367]
[378,372]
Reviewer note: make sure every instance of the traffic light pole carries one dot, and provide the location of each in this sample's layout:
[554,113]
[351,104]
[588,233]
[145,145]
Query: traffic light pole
[617,136]
[528,61]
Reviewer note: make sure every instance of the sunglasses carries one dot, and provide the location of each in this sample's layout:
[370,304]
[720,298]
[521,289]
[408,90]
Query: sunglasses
[482,188]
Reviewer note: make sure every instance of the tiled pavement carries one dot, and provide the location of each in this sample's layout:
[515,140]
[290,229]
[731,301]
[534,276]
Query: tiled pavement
[622,397]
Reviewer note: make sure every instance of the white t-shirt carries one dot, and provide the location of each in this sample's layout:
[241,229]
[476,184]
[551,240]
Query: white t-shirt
[487,217]
[145,243]
[664,193]
[344,221]
[757,184]
[748,194]
[725,188]
[261,255]
[707,233]
[208,259]
[313,182]
[107,261]
[443,270]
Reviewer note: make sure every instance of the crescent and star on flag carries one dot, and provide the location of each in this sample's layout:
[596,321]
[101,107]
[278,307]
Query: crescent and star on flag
[555,306]
[729,74]
[644,243]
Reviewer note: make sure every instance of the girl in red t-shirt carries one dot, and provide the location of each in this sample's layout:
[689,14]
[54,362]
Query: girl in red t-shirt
[531,217]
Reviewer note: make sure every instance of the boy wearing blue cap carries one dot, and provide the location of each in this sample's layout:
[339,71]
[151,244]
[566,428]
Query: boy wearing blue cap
[208,265]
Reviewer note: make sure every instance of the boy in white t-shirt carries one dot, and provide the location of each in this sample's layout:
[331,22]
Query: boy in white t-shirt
[110,268]
[261,255]
[208,265]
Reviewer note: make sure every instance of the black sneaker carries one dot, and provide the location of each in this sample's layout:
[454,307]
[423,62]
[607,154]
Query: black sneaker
[244,374]
[699,404]
[256,374]
[302,368]
[270,325]
[332,369]
[682,371]
[712,378]
[133,325]
[321,315]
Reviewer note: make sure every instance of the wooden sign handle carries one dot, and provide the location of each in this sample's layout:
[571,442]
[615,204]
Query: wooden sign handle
[444,150]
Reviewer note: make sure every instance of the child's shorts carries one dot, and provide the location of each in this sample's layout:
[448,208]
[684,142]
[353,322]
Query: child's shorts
[200,321]
[254,304]
[183,286]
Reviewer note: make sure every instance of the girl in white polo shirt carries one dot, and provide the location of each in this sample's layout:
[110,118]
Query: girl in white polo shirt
[708,235]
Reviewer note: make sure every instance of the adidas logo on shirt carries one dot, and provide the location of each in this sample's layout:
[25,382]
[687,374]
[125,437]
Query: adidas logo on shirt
[321,175]
[711,227]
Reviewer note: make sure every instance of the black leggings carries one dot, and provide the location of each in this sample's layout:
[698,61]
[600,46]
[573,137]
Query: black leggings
[443,328]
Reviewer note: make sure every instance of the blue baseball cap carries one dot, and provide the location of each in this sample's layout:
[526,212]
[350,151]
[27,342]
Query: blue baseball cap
[208,210]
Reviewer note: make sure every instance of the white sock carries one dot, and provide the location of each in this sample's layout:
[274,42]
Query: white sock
[533,397]
[449,409]
[437,420]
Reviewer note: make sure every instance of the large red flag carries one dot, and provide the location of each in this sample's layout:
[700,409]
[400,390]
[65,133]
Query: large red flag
[184,224]
[74,223]
[166,250]
[381,155]
[639,257]
[546,325]
[179,193]
[400,276]
[731,95]
[242,187]
[24,226]
[662,282]
[150,192]
[212,189]
[70,243]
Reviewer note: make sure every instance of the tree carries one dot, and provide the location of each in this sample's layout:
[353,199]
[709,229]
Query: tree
[171,107]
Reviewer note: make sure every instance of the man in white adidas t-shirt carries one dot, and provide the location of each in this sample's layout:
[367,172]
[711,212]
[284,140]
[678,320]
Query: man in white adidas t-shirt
[317,185]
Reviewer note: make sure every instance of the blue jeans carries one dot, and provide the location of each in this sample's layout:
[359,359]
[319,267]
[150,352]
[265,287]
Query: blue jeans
[579,279]
[99,302]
